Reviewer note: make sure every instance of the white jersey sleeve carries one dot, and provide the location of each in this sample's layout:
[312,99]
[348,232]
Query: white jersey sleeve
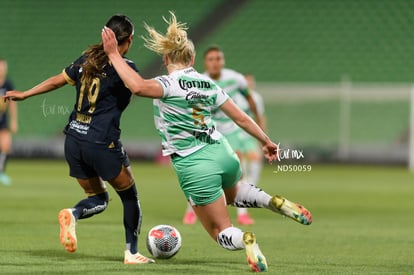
[165,82]
[221,98]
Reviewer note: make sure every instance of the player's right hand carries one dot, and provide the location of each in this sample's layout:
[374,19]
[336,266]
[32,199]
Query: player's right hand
[14,95]
[109,41]
[270,151]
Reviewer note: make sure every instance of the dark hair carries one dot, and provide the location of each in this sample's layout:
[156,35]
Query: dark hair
[95,55]
[212,48]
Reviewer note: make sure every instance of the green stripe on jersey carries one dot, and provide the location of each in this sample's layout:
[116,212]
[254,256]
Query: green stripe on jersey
[156,110]
[176,101]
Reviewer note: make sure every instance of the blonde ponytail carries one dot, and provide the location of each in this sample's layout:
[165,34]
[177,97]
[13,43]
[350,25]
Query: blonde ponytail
[175,43]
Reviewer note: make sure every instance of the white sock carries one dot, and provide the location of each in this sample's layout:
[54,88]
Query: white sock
[254,170]
[251,197]
[241,211]
[231,238]
[244,166]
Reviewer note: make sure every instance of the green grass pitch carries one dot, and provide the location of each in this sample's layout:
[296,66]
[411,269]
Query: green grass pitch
[363,224]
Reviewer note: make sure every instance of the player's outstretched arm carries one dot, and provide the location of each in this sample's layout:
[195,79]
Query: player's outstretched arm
[244,121]
[135,83]
[48,85]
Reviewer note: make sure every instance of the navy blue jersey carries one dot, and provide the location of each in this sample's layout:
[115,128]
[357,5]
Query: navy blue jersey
[97,111]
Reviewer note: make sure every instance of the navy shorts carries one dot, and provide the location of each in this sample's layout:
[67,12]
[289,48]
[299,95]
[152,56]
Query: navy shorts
[89,160]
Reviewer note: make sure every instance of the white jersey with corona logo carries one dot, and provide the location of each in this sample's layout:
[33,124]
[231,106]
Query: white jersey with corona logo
[183,115]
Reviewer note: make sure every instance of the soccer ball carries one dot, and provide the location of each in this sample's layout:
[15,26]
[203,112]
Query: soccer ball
[163,241]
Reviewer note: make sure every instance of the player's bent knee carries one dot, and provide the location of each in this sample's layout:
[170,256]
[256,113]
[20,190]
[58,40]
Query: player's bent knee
[231,238]
[123,181]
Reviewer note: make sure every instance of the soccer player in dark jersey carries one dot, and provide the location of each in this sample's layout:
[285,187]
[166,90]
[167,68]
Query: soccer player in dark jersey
[92,146]
[6,130]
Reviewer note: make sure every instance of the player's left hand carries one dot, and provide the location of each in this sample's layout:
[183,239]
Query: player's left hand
[109,41]
[14,95]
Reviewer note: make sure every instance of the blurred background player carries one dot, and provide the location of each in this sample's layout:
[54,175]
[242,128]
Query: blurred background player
[235,85]
[252,153]
[6,109]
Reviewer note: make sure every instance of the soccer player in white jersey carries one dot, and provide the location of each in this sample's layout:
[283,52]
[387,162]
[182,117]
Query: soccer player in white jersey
[235,85]
[252,153]
[207,168]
